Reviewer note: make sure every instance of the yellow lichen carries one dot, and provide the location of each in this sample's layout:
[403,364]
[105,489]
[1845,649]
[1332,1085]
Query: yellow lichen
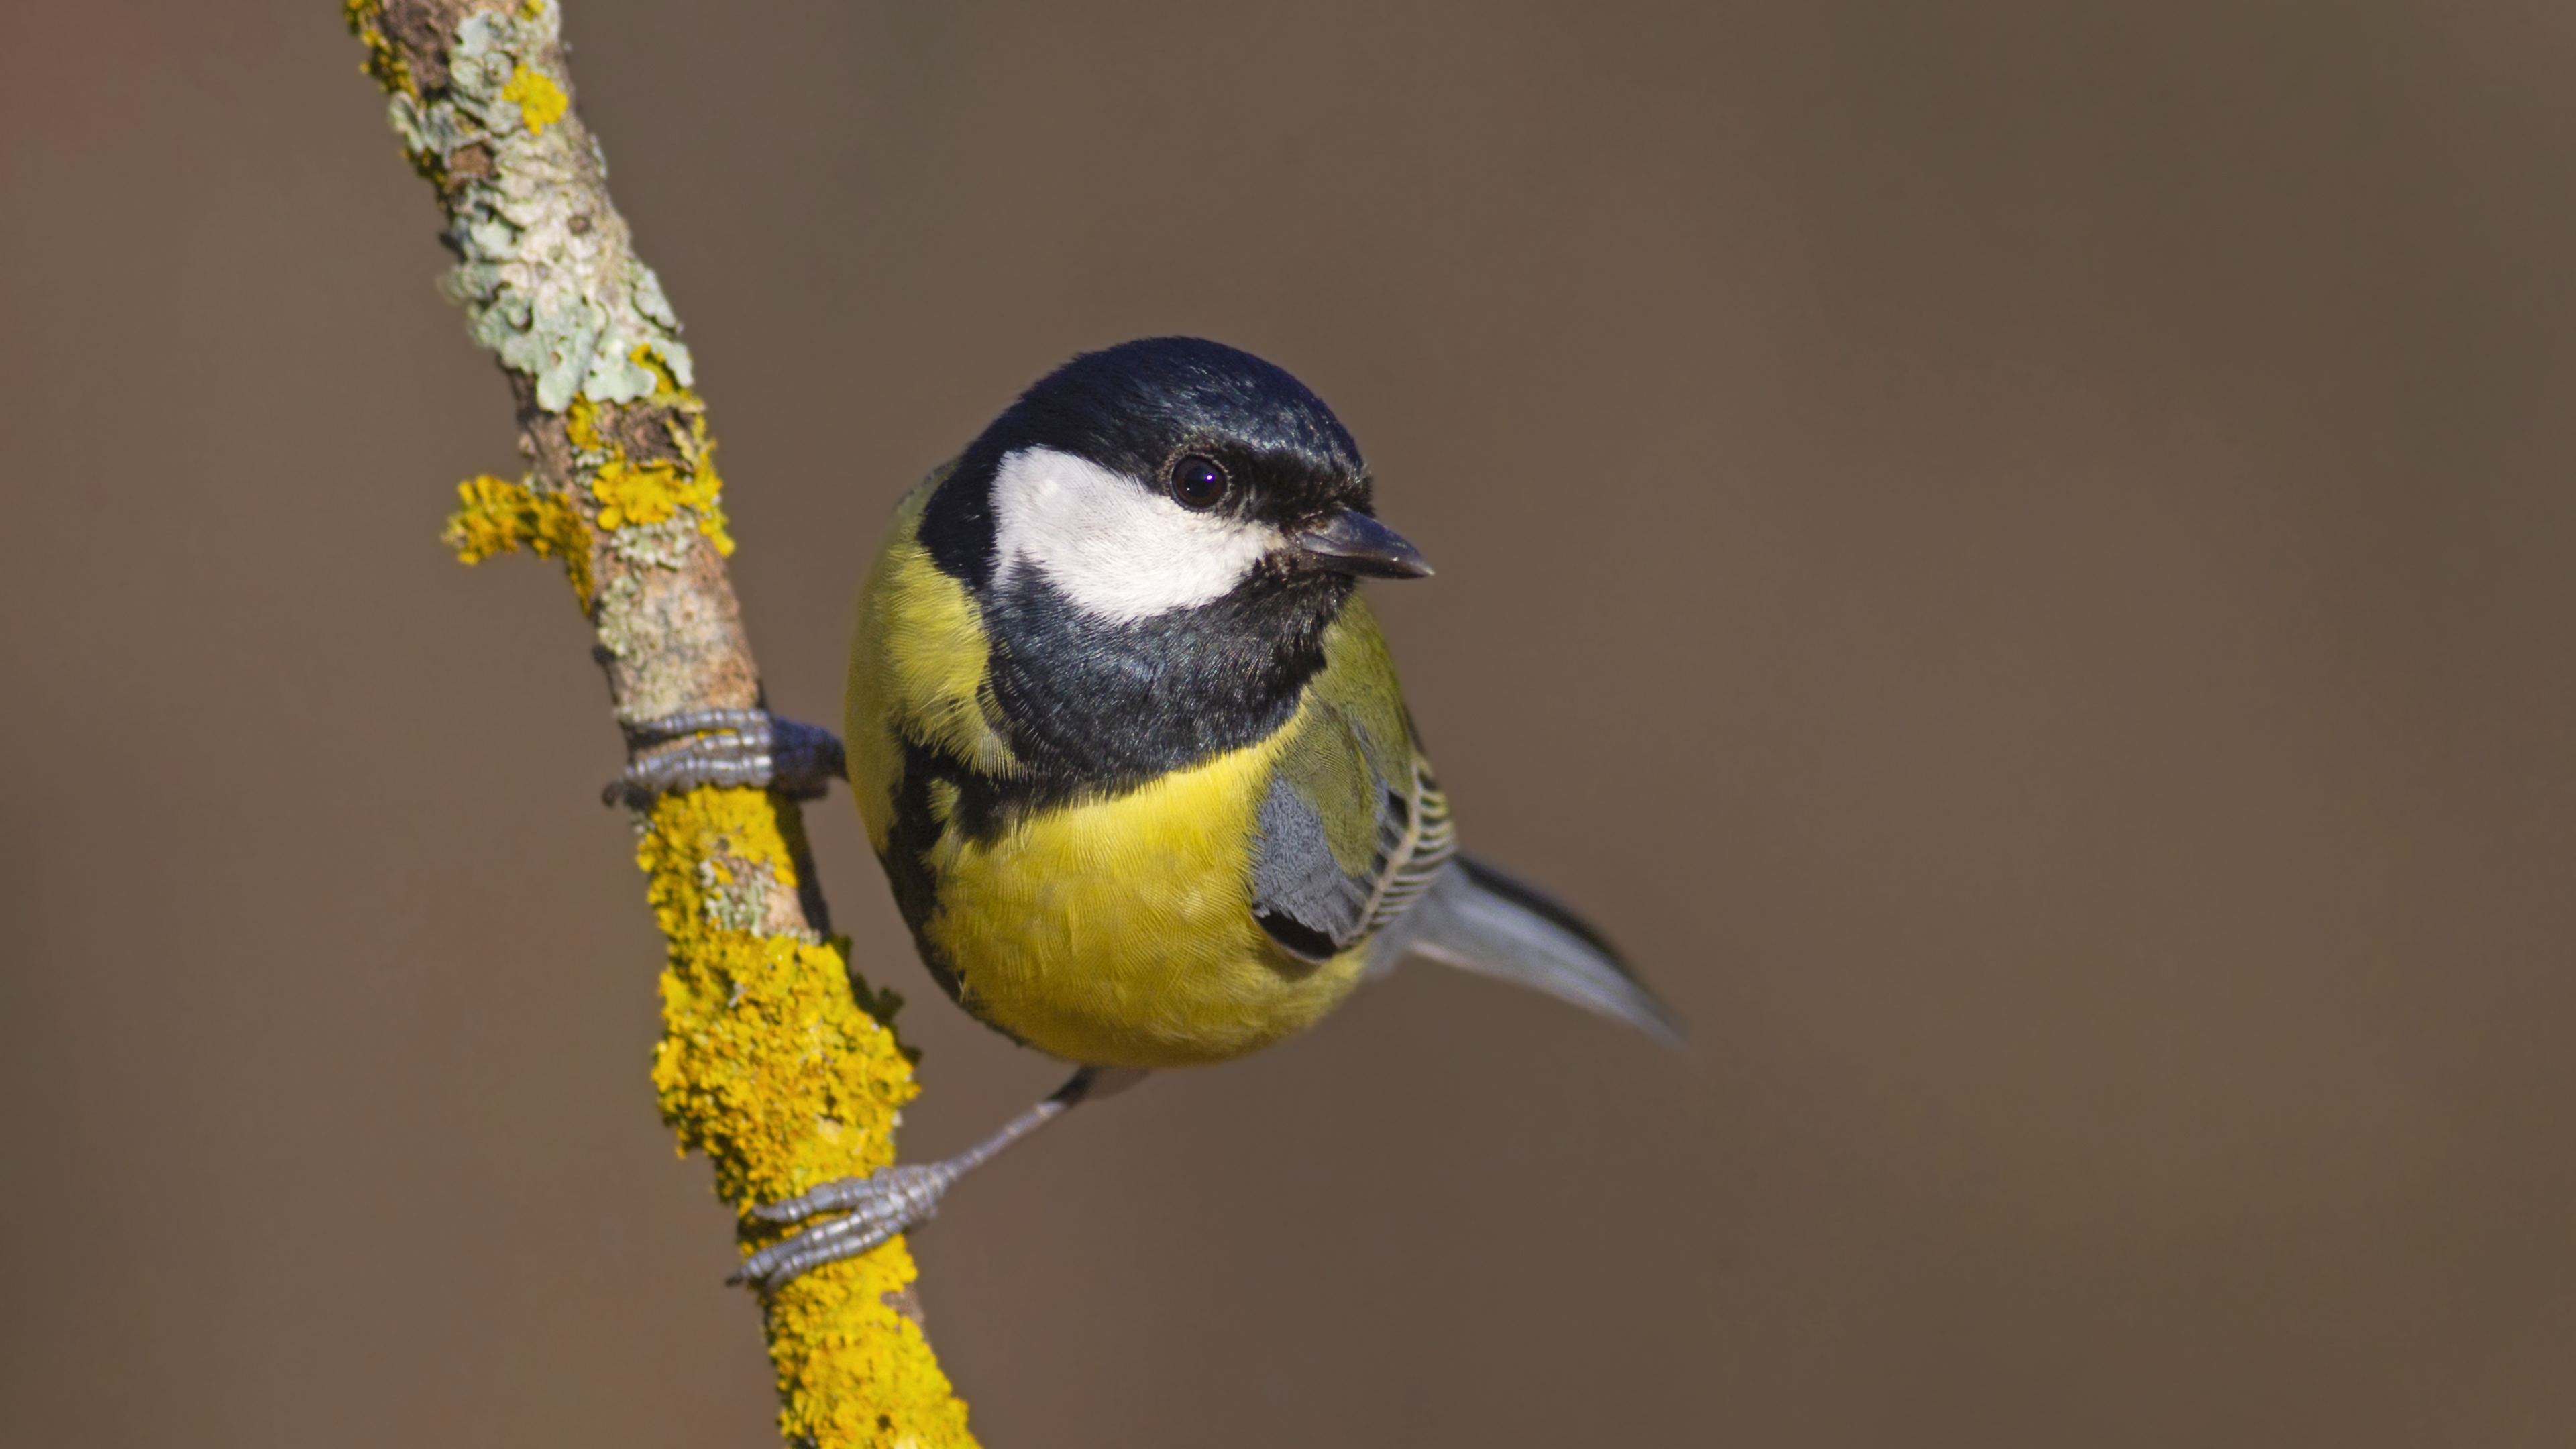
[632,493]
[767,1037]
[787,1077]
[831,1332]
[541,102]
[581,425]
[384,61]
[647,493]
[495,515]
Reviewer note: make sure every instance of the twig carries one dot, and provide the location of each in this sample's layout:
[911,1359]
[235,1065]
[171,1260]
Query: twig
[776,1060]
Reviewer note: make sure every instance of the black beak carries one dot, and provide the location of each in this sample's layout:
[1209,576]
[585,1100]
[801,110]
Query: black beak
[1351,542]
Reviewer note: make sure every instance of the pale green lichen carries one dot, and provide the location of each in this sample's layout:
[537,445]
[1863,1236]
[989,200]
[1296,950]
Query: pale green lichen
[618,619]
[551,286]
[662,545]
[737,893]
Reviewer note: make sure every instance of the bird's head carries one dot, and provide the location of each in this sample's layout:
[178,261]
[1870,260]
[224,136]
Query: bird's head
[1158,536]
[1165,475]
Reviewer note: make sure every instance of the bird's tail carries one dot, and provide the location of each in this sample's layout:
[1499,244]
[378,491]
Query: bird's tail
[1478,919]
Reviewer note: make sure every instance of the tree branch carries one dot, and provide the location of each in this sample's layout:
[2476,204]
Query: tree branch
[776,1060]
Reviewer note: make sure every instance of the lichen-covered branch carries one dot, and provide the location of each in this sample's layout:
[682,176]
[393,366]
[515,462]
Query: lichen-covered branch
[776,1061]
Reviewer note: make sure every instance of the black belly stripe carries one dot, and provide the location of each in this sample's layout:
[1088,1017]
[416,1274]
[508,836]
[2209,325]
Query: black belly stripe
[910,838]
[984,806]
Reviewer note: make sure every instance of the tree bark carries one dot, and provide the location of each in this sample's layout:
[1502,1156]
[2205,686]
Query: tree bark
[776,1060]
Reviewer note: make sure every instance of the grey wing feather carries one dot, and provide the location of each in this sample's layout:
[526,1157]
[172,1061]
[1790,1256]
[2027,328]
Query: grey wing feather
[1301,895]
[1474,917]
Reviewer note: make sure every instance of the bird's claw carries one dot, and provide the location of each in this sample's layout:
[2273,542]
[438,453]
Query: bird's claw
[874,1210]
[748,748]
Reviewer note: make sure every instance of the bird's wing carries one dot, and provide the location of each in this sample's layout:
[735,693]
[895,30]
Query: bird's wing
[1346,843]
[1353,829]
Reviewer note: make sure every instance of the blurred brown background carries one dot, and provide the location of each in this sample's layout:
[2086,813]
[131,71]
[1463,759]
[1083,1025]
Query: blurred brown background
[2018,555]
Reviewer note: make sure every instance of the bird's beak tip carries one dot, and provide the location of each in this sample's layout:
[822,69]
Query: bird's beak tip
[1351,542]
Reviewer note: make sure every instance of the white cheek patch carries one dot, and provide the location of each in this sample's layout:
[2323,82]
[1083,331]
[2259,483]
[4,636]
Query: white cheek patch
[1113,546]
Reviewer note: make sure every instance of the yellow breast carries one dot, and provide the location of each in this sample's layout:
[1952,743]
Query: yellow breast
[1120,931]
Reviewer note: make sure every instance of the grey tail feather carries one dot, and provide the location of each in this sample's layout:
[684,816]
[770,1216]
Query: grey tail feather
[1478,919]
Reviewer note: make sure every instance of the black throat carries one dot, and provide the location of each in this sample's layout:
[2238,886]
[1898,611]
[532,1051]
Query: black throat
[1097,705]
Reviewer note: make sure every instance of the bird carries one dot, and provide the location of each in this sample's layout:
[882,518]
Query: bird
[1129,743]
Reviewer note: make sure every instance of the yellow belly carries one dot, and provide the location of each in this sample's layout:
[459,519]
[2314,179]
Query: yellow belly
[1120,932]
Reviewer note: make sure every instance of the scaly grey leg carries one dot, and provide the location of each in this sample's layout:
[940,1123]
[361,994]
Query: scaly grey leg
[736,747]
[896,1199]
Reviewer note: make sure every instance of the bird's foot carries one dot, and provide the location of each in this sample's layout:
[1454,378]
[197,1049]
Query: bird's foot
[874,1209]
[749,748]
[897,1199]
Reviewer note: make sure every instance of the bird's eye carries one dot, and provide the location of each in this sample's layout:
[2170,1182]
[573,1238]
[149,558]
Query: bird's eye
[1198,482]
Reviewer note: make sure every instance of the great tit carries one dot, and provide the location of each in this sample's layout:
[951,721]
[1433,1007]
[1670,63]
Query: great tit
[1131,749]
